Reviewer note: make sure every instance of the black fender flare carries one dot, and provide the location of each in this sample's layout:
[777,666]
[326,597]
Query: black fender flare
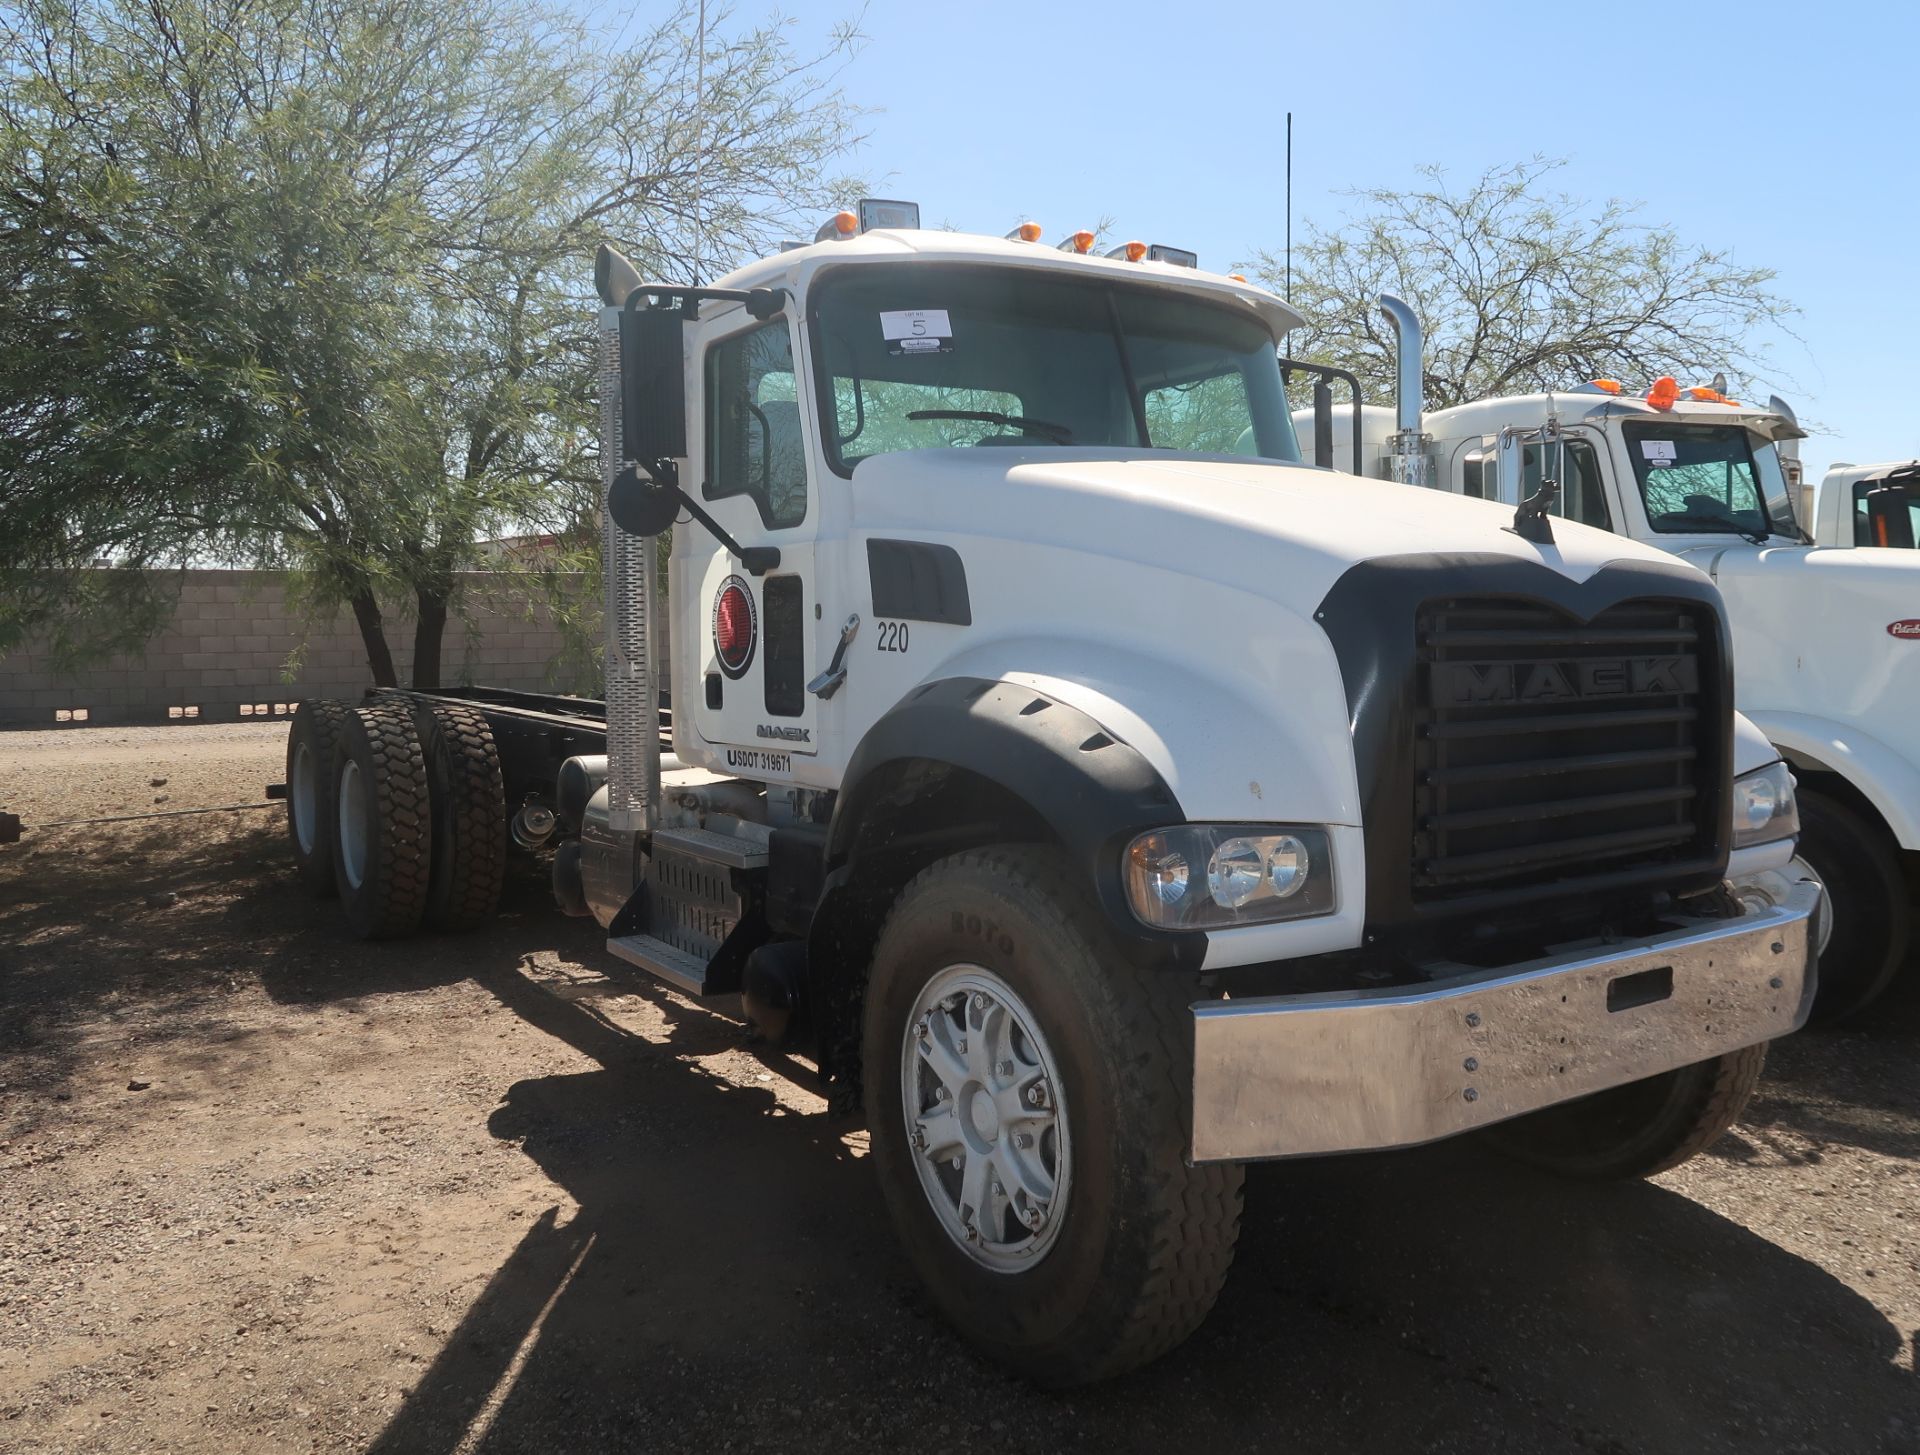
[1093,792]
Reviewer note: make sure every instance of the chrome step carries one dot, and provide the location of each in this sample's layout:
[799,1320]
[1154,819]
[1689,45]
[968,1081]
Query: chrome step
[711,847]
[680,969]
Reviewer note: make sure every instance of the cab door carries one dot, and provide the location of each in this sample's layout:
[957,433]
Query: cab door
[748,638]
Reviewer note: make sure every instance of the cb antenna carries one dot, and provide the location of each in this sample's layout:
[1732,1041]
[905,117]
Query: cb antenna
[699,134]
[1289,288]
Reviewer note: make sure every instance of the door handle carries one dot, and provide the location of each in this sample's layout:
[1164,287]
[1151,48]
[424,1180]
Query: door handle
[828,682]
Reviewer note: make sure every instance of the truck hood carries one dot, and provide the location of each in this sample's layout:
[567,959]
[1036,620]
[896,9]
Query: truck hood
[1264,527]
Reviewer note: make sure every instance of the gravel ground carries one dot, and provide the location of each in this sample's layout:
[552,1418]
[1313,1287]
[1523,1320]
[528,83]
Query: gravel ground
[271,1190]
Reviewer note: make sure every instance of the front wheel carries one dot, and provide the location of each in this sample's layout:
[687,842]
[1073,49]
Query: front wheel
[1027,1095]
[1638,1129]
[1865,906]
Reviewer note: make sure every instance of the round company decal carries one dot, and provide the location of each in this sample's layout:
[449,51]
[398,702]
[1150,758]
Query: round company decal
[1909,629]
[735,627]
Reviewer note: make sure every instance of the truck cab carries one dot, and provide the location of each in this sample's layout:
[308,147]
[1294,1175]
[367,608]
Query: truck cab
[1869,506]
[1821,637]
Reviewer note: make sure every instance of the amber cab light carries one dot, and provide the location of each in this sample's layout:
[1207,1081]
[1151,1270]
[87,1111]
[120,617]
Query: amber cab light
[1133,252]
[1025,232]
[1077,242]
[1663,392]
[1607,386]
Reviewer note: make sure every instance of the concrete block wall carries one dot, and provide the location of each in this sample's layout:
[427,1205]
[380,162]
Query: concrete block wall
[231,640]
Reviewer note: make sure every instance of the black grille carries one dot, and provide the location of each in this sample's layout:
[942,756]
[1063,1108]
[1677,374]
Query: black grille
[1553,751]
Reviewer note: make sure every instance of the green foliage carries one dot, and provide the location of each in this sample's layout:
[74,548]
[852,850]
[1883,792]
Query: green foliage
[308,282]
[1519,288]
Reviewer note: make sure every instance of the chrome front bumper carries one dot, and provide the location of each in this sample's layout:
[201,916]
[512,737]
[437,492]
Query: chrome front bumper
[1350,1071]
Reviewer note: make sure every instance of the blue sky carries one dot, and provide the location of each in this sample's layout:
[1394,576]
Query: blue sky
[1785,132]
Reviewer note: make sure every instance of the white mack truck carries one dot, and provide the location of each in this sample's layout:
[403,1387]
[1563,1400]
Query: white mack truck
[1100,797]
[1826,645]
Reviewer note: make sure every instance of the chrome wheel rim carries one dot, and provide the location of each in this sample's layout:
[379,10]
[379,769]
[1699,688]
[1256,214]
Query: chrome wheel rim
[985,1119]
[353,824]
[1823,911]
[304,799]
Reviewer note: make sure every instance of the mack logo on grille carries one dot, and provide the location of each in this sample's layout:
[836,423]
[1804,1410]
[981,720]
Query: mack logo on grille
[1467,684]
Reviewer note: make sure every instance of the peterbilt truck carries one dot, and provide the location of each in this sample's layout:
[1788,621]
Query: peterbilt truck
[1875,506]
[1097,795]
[1826,642]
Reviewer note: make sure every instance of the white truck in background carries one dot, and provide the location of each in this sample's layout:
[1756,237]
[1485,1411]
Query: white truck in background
[1869,505]
[1097,807]
[1826,643]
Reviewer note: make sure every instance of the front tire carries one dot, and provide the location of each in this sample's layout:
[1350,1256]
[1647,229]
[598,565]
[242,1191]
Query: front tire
[1640,1129]
[1866,906]
[1000,1009]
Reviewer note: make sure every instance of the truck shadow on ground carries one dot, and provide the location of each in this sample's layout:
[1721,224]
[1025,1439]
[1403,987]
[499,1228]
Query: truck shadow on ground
[729,1280]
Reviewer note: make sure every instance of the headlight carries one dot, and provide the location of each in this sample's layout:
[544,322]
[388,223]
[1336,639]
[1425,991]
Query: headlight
[1763,807]
[1213,876]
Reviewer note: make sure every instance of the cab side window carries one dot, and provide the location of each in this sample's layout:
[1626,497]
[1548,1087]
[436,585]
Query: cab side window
[754,443]
[1583,494]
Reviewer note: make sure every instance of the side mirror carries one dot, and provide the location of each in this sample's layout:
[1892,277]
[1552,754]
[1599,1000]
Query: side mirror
[639,504]
[1322,423]
[653,386]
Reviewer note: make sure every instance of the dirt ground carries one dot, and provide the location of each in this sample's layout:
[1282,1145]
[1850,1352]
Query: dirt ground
[266,1189]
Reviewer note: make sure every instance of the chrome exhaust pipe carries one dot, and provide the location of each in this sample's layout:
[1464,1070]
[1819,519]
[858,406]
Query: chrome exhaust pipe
[1407,461]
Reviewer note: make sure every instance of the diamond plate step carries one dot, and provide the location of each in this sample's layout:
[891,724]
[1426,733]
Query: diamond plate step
[672,964]
[712,848]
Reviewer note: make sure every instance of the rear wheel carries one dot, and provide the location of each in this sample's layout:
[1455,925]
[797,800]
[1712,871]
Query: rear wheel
[1867,908]
[1027,1096]
[312,741]
[469,806]
[383,823]
[1639,1129]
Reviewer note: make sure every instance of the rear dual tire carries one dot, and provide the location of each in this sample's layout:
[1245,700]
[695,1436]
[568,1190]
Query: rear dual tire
[419,818]
[313,742]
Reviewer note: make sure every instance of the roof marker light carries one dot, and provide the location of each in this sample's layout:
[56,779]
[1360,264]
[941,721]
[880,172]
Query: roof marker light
[1238,277]
[1179,257]
[1133,252]
[841,226]
[1025,232]
[1607,386]
[1077,242]
[1663,392]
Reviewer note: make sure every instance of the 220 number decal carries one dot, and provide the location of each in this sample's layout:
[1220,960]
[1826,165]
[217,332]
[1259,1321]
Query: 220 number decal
[893,636]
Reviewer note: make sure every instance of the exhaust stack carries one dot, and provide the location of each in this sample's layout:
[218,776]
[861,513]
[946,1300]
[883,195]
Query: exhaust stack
[1407,462]
[632,691]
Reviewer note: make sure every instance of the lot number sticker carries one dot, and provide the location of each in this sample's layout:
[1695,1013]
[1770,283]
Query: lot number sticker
[916,331]
[1657,452]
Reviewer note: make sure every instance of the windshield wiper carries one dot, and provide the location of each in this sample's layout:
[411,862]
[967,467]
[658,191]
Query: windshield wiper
[1714,522]
[1058,433]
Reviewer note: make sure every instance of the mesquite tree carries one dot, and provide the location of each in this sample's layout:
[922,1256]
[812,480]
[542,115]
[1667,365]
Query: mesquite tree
[1520,287]
[308,282]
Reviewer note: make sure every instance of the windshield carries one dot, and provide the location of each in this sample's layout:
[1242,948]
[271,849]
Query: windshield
[1701,477]
[912,357]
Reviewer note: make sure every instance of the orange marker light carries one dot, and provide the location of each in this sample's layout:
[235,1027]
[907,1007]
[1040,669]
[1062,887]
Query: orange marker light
[1608,386]
[1025,232]
[1706,395]
[1077,242]
[846,224]
[1663,392]
[1238,277]
[1133,252]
